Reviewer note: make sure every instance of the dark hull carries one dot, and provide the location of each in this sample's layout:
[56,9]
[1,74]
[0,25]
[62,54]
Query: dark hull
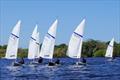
[51,64]
[17,64]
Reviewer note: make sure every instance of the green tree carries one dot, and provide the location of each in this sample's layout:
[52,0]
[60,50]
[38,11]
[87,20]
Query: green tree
[99,53]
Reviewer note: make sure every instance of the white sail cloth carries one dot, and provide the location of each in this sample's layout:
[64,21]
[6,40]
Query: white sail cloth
[12,48]
[109,51]
[75,43]
[32,44]
[49,42]
[37,55]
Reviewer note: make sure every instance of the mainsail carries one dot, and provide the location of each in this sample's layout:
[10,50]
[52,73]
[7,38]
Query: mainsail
[32,44]
[12,48]
[75,43]
[109,51]
[48,42]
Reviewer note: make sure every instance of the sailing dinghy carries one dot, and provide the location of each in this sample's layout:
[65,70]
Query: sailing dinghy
[109,51]
[75,43]
[47,48]
[12,48]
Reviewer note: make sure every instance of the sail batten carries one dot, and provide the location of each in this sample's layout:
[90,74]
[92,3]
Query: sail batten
[51,35]
[33,38]
[78,34]
[15,35]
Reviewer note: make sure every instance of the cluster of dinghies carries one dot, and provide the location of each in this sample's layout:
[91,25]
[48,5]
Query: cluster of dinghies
[47,49]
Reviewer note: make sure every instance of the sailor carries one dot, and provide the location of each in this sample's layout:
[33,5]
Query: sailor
[113,57]
[83,60]
[57,61]
[21,61]
[40,60]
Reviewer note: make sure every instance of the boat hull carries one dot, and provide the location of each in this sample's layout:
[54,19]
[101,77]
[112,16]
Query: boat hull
[51,64]
[17,64]
[80,63]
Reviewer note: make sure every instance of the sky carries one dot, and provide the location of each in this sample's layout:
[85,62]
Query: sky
[102,19]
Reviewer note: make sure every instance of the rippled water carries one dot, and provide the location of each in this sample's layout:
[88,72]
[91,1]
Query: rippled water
[96,69]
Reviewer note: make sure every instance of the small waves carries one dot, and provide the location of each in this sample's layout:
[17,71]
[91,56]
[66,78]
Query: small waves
[99,70]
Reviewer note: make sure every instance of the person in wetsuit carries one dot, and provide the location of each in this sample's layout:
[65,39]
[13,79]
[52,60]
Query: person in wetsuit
[113,57]
[83,60]
[21,61]
[40,60]
[57,61]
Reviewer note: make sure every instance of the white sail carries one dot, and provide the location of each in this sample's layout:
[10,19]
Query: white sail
[109,51]
[48,42]
[38,46]
[75,43]
[32,44]
[12,48]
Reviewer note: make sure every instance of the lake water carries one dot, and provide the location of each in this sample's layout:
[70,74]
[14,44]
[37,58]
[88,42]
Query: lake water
[96,69]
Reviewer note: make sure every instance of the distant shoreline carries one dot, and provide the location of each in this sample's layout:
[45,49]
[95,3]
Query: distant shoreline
[90,48]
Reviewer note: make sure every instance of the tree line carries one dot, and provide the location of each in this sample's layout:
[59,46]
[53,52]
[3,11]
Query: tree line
[90,48]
